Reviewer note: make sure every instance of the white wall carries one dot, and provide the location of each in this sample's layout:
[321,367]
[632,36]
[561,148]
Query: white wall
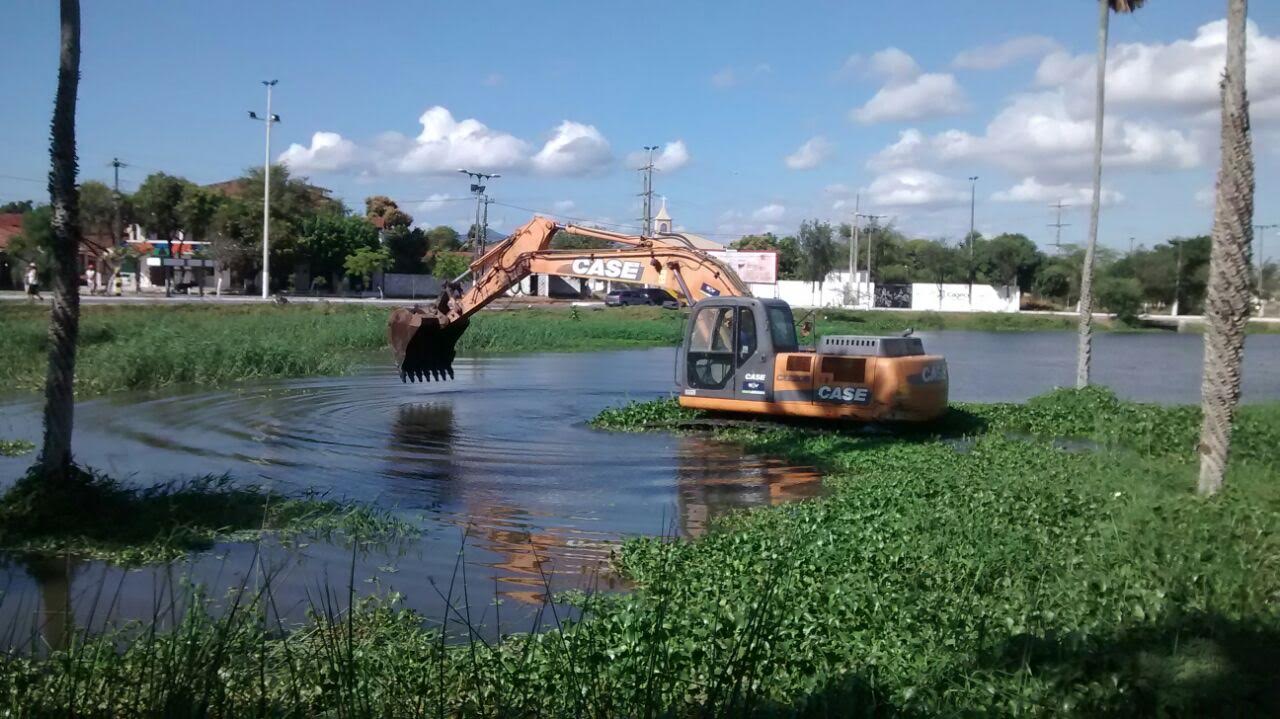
[925,296]
[955,298]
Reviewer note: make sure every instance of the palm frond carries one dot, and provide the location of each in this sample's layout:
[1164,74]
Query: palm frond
[1125,5]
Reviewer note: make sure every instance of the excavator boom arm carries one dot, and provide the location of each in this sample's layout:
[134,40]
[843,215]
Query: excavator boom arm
[424,340]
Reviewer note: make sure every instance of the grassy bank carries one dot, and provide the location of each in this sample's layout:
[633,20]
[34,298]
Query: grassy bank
[151,346]
[984,568]
[145,347]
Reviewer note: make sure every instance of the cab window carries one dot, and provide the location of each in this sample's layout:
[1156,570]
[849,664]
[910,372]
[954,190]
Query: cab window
[746,335]
[782,329]
[711,348]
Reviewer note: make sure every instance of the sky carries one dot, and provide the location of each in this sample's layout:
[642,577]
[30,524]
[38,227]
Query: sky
[766,114]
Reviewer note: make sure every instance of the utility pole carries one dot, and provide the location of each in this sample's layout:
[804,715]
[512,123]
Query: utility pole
[269,120]
[117,227]
[1131,245]
[973,194]
[853,251]
[1177,277]
[1057,226]
[481,225]
[646,227]
[871,219]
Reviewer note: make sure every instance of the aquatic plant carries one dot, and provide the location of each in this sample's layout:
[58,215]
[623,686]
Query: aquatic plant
[982,569]
[95,517]
[15,447]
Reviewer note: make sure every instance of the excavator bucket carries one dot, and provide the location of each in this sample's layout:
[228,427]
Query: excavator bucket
[424,341]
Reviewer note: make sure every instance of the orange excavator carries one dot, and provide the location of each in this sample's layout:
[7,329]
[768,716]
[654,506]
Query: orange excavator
[739,353]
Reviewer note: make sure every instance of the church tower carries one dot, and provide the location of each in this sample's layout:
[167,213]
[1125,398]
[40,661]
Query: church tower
[662,221]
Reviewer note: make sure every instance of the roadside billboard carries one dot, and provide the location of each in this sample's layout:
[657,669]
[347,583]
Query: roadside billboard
[754,267]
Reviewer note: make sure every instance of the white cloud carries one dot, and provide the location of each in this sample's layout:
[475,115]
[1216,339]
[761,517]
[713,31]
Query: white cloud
[772,212]
[908,93]
[811,154]
[724,78]
[1032,190]
[446,144]
[329,152]
[994,57]
[574,149]
[1180,76]
[1035,134]
[911,187]
[671,157]
[564,206]
[437,201]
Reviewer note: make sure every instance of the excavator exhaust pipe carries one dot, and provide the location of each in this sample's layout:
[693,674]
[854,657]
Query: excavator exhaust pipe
[424,340]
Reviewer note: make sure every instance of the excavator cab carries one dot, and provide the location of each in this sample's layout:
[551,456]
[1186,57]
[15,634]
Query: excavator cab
[741,354]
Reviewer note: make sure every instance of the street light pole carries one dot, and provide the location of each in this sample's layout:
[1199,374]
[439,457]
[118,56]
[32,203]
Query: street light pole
[269,120]
[853,251]
[973,195]
[646,228]
[482,208]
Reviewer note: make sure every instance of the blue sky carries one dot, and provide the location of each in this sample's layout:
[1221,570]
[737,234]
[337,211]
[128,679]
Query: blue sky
[769,113]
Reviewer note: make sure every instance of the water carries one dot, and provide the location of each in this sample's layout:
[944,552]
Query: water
[499,464]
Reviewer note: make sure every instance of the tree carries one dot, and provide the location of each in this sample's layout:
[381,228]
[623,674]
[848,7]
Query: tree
[236,239]
[406,246]
[35,243]
[364,262]
[1084,345]
[384,213]
[1121,296]
[1227,306]
[97,209]
[17,207]
[449,266]
[54,463]
[1008,259]
[157,202]
[326,241]
[1054,281]
[443,238]
[818,254]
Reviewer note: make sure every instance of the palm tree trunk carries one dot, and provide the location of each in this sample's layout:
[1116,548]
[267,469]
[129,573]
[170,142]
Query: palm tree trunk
[1227,303]
[1084,339]
[64,317]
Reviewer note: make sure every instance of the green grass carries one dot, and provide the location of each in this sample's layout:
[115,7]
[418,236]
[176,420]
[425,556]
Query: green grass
[154,346]
[95,517]
[979,568]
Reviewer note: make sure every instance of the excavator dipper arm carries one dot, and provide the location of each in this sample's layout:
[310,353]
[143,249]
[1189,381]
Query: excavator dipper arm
[424,340]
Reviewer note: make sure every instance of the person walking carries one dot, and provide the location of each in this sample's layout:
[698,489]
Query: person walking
[33,283]
[91,279]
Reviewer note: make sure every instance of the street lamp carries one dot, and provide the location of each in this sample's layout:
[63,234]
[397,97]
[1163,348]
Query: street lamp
[973,194]
[482,205]
[269,120]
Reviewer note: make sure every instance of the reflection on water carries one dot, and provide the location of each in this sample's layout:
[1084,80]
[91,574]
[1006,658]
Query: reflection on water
[516,497]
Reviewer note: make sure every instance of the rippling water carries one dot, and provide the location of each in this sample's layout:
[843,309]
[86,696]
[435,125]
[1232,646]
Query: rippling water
[499,464]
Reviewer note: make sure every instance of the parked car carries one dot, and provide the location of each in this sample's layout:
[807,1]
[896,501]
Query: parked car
[643,296]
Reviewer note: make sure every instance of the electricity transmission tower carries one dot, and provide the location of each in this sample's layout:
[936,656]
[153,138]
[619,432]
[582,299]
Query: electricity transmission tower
[1058,225]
